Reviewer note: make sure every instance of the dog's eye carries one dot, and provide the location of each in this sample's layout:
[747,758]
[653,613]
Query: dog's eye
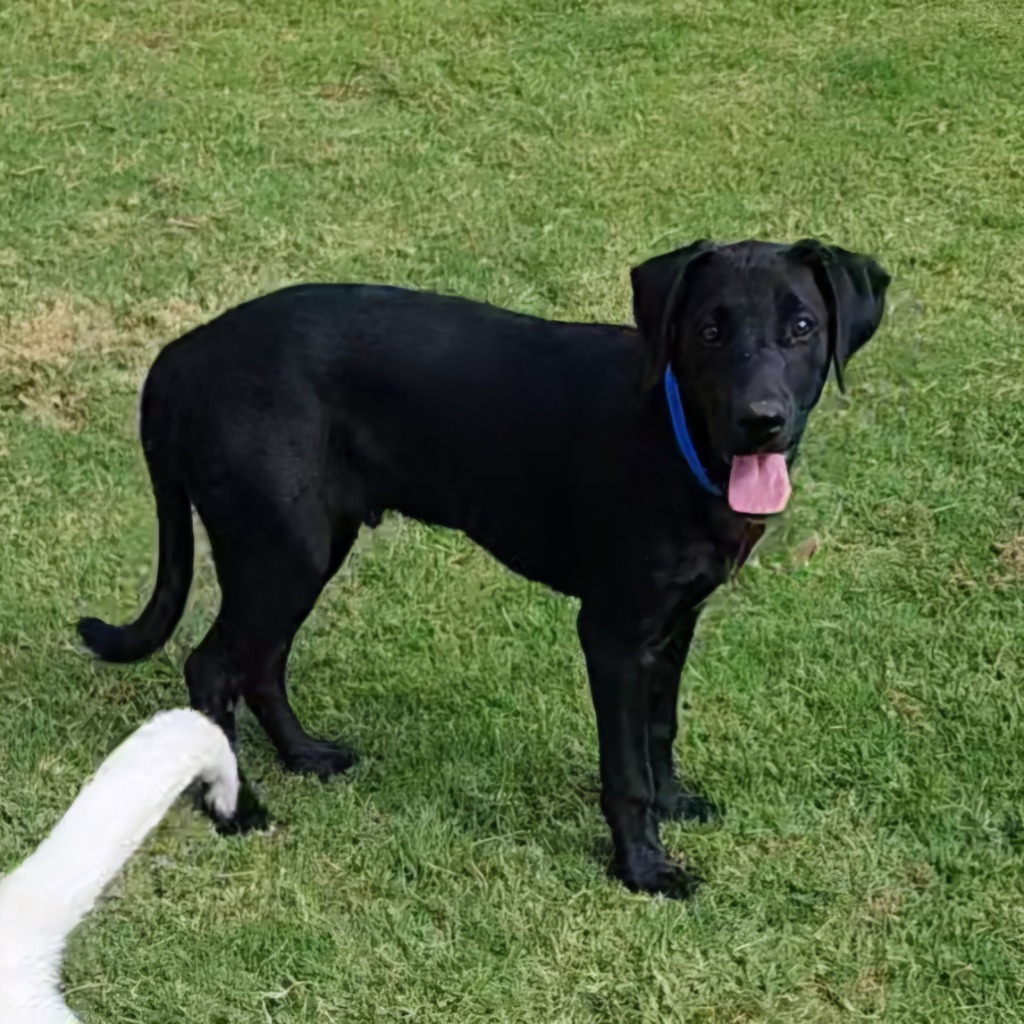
[709,334]
[802,326]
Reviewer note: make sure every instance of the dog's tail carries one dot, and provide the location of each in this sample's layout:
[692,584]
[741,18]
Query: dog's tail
[44,899]
[153,628]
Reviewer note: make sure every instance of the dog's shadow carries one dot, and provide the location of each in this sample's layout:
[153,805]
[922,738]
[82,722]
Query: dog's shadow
[557,811]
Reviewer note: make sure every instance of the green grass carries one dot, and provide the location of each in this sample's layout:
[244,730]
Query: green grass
[860,714]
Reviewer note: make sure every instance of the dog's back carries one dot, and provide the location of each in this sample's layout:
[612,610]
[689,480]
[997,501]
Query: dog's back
[451,411]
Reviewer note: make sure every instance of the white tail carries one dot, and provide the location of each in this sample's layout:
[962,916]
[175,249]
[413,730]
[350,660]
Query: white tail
[43,900]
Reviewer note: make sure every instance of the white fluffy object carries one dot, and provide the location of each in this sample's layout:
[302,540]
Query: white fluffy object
[43,900]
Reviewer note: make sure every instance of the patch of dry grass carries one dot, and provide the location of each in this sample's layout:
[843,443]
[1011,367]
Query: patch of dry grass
[38,353]
[1011,555]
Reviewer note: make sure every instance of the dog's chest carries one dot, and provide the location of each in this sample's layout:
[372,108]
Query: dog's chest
[703,564]
[743,543]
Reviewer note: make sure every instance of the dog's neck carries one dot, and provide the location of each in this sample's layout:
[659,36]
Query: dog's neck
[703,453]
[684,436]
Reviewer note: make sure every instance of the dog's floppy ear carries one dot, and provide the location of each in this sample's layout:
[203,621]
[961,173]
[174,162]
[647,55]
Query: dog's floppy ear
[658,289]
[853,287]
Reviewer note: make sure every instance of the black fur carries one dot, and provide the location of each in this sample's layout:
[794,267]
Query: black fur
[291,420]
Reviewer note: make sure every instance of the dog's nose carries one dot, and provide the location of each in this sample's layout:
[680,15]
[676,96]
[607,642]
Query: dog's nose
[763,420]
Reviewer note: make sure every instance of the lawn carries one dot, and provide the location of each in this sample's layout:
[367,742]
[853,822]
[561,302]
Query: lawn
[854,701]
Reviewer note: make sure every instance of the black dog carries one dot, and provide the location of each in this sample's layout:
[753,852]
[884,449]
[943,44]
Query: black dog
[564,449]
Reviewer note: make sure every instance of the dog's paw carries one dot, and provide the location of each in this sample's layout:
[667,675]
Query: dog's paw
[250,815]
[221,798]
[321,758]
[650,871]
[675,804]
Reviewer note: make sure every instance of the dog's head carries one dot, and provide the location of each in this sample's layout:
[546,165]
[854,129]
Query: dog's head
[750,331]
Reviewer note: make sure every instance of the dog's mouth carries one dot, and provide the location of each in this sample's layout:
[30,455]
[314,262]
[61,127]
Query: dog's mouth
[759,484]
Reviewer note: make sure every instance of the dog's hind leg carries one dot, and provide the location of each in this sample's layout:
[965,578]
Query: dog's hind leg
[267,592]
[345,534]
[213,690]
[269,586]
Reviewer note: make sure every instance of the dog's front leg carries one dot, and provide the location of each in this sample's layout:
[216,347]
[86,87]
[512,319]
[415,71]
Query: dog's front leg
[620,686]
[671,801]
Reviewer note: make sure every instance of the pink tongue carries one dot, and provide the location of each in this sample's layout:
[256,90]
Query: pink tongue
[759,484]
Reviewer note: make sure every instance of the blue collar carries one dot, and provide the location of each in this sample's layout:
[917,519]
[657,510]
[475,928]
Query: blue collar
[675,410]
